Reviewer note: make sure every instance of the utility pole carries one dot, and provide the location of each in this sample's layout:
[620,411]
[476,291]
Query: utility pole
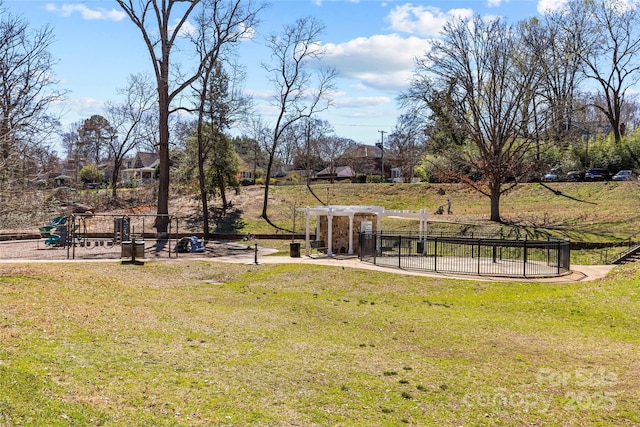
[381,147]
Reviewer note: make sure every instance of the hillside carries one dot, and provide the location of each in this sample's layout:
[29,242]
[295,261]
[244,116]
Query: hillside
[598,211]
[592,212]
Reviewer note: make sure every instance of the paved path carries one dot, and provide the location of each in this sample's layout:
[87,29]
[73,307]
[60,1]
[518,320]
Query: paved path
[32,251]
[579,272]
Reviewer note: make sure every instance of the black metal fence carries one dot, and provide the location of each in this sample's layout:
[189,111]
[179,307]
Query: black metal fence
[467,255]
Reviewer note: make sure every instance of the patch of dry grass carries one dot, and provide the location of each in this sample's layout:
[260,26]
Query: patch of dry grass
[199,343]
[590,212]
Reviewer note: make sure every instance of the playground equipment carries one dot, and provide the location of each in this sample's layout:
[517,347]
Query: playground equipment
[122,229]
[100,233]
[189,244]
[55,232]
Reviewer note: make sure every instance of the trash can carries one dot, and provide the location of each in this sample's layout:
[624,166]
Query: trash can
[294,250]
[125,251]
[139,249]
[128,247]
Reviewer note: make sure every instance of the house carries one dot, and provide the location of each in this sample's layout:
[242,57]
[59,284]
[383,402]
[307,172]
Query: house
[396,176]
[368,160]
[337,173]
[142,167]
[299,176]
[247,172]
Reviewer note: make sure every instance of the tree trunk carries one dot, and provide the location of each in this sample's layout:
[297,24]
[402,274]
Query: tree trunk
[164,101]
[162,219]
[495,203]
[203,191]
[267,181]
[114,182]
[223,192]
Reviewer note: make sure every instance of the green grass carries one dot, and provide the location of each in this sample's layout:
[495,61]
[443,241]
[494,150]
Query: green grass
[198,343]
[605,212]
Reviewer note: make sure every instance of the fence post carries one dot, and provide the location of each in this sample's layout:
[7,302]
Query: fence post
[399,251]
[524,264]
[479,243]
[435,254]
[375,248]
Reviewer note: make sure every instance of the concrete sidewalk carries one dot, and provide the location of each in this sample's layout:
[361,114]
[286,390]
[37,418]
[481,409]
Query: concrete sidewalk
[28,251]
[579,273]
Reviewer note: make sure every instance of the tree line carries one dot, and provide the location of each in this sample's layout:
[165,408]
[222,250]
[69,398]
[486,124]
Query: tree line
[490,102]
[502,100]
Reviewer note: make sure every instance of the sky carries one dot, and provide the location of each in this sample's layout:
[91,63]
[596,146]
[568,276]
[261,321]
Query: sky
[371,44]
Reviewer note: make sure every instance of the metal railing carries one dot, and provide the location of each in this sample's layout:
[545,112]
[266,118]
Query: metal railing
[467,255]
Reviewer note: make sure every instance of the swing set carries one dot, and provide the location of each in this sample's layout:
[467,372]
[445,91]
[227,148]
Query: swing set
[102,233]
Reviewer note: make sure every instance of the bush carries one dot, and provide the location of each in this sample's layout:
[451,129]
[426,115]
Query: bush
[91,173]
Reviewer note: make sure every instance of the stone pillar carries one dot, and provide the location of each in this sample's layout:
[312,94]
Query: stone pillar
[330,233]
[350,234]
[307,242]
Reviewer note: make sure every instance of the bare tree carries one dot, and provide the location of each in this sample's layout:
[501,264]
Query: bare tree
[224,102]
[406,145]
[132,121]
[70,139]
[308,133]
[299,93]
[219,98]
[332,149]
[161,29]
[556,49]
[610,52]
[162,25]
[27,89]
[363,159]
[486,84]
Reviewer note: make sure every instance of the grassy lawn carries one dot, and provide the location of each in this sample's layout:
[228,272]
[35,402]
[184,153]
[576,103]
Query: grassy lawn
[583,212]
[201,343]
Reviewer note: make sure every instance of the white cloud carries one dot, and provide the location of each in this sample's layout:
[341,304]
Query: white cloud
[547,6]
[494,3]
[87,13]
[361,101]
[187,29]
[423,20]
[383,61]
[74,109]
[268,94]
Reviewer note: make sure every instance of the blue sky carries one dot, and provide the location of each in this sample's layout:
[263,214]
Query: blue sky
[372,44]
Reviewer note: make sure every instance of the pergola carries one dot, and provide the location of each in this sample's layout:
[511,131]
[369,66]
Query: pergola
[350,212]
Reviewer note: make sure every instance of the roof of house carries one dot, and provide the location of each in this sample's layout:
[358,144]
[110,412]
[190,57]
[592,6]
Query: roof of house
[147,160]
[365,151]
[339,171]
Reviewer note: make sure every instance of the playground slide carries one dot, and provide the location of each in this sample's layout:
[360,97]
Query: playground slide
[53,239]
[45,231]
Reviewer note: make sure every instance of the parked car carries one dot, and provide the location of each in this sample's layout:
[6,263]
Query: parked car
[529,177]
[597,174]
[555,174]
[575,176]
[623,175]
